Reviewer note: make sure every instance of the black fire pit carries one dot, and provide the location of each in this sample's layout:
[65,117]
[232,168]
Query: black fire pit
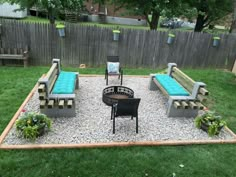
[112,94]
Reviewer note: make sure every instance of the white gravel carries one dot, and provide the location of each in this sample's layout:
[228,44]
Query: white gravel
[92,123]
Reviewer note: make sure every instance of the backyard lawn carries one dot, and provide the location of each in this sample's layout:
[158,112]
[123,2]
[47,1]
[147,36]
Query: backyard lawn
[33,19]
[179,161]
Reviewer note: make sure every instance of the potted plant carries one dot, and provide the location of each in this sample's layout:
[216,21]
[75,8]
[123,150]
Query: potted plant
[216,41]
[116,34]
[210,122]
[170,39]
[61,29]
[31,125]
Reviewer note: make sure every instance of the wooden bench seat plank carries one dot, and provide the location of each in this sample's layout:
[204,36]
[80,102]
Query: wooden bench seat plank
[203,91]
[201,98]
[175,69]
[177,104]
[193,105]
[12,56]
[69,103]
[187,85]
[41,88]
[52,83]
[53,67]
[61,104]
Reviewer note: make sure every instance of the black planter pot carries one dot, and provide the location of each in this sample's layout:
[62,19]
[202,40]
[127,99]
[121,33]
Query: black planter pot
[41,131]
[205,128]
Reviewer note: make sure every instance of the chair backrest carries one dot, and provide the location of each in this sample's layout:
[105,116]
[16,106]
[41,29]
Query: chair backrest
[127,107]
[113,59]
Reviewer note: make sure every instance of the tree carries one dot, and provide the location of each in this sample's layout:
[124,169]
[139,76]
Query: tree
[209,11]
[53,7]
[233,25]
[150,9]
[73,5]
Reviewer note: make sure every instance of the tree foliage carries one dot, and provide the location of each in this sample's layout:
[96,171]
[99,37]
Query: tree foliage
[233,25]
[53,7]
[151,9]
[205,11]
[209,11]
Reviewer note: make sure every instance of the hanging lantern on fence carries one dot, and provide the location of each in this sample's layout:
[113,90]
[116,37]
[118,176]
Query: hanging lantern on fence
[116,35]
[216,41]
[171,38]
[61,29]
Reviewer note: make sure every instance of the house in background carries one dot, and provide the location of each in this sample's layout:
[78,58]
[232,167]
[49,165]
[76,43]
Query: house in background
[7,10]
[107,13]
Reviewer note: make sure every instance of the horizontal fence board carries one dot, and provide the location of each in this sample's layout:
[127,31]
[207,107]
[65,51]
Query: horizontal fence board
[91,45]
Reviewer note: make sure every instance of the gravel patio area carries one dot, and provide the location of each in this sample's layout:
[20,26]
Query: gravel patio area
[92,123]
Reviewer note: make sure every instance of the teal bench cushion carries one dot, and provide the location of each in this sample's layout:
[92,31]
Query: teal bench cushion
[65,83]
[172,87]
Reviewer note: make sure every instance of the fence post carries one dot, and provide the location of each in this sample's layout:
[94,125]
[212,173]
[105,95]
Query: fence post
[234,67]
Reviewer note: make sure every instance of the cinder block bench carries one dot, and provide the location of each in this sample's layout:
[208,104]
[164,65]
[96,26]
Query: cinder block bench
[185,96]
[57,91]
[14,54]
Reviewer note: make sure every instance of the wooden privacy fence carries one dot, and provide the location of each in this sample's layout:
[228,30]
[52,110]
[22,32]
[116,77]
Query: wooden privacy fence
[137,48]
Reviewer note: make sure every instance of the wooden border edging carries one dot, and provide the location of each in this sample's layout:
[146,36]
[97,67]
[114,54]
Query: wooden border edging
[11,123]
[117,144]
[230,131]
[103,145]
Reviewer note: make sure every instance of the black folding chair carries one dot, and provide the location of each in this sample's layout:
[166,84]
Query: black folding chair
[113,61]
[126,107]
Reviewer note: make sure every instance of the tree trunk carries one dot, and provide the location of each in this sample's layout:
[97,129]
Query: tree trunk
[154,21]
[199,24]
[233,25]
[51,16]
[202,15]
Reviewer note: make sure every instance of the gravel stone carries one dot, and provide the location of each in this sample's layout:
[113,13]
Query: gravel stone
[92,123]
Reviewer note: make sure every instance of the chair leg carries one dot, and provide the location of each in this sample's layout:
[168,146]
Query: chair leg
[114,127]
[107,80]
[111,112]
[131,117]
[137,124]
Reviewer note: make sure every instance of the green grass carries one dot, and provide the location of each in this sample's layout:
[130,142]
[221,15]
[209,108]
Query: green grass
[33,19]
[204,161]
[222,87]
[198,160]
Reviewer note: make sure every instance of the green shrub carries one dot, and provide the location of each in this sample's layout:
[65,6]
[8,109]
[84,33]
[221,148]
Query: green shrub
[31,125]
[210,122]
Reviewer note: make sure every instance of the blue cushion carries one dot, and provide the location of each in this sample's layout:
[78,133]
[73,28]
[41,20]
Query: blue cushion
[113,67]
[65,83]
[172,87]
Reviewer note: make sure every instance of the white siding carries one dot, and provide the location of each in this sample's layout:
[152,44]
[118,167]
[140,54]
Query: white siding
[119,20]
[7,10]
